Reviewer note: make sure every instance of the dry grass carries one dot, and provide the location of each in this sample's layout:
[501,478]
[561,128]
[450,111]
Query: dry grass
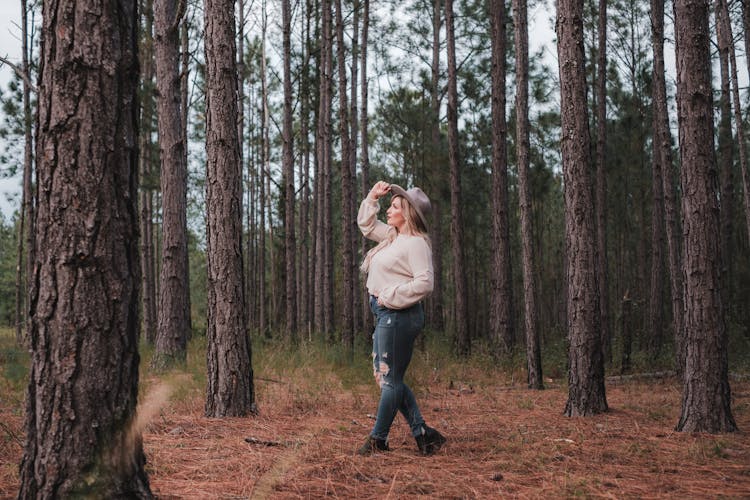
[504,441]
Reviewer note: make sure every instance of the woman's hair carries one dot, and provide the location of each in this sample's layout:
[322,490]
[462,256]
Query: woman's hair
[414,225]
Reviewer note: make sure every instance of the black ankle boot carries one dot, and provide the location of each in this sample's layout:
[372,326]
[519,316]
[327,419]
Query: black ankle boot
[373,445]
[430,441]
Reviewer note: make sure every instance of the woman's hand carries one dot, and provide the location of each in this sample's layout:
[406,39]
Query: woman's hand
[381,188]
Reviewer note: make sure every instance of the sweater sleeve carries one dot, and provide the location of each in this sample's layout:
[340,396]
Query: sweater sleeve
[367,220]
[403,295]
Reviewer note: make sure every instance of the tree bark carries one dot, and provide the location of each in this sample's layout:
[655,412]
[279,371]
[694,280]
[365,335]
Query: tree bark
[586,394]
[601,179]
[146,158]
[738,123]
[263,169]
[706,394]
[174,284]
[230,390]
[531,323]
[290,243]
[457,233]
[366,314]
[347,208]
[502,327]
[81,440]
[663,148]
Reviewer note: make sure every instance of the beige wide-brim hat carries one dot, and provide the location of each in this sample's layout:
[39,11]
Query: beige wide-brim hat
[417,199]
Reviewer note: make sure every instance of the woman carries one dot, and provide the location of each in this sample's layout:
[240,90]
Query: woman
[399,276]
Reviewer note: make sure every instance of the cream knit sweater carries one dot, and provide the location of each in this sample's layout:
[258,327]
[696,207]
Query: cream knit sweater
[400,274]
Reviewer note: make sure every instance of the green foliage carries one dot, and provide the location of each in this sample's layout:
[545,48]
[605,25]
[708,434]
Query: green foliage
[8,240]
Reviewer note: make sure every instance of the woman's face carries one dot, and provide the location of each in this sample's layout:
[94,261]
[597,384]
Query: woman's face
[395,215]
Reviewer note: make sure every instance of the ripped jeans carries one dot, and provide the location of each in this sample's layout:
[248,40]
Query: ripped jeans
[393,343]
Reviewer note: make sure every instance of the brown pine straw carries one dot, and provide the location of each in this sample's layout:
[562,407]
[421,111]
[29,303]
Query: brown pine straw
[503,441]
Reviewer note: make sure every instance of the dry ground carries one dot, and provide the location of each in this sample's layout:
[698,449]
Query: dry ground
[504,441]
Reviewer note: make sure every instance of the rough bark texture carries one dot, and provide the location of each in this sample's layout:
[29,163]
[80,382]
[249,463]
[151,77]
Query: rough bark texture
[287,159]
[502,327]
[230,390]
[347,216]
[174,284]
[586,395]
[80,437]
[706,395]
[531,323]
[601,178]
[327,192]
[457,232]
[738,123]
[663,148]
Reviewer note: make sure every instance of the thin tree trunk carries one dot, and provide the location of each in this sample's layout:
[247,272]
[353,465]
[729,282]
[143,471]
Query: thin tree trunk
[146,159]
[327,270]
[366,314]
[230,390]
[586,394]
[80,438]
[436,298]
[601,180]
[262,168]
[738,123]
[303,305]
[725,150]
[502,327]
[706,394]
[290,243]
[347,208]
[25,224]
[174,283]
[457,231]
[663,148]
[357,298]
[533,350]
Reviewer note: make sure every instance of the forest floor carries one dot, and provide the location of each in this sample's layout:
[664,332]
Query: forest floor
[503,439]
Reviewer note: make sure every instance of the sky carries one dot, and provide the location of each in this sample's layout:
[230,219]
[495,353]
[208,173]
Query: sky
[10,48]
[541,34]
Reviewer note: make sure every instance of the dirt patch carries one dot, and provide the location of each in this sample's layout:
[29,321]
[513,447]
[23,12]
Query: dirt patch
[502,441]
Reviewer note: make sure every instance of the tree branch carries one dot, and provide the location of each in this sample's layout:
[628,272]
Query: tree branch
[19,72]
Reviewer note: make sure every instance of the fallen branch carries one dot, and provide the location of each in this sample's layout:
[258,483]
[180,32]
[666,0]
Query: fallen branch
[12,434]
[262,442]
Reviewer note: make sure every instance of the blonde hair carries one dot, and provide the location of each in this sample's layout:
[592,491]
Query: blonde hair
[414,225]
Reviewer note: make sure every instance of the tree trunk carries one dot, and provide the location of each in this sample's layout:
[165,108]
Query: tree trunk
[502,328]
[148,96]
[327,270]
[262,169]
[305,323]
[174,283]
[533,350]
[457,231]
[601,180]
[290,243]
[357,298]
[230,390]
[706,394]
[347,209]
[663,148]
[725,151]
[366,314]
[25,226]
[81,436]
[738,114]
[436,298]
[586,394]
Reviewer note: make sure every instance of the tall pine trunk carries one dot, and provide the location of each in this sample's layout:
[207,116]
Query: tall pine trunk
[230,390]
[347,208]
[457,228]
[586,395]
[531,323]
[287,159]
[663,148]
[81,437]
[174,285]
[366,315]
[706,394]
[601,179]
[502,327]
